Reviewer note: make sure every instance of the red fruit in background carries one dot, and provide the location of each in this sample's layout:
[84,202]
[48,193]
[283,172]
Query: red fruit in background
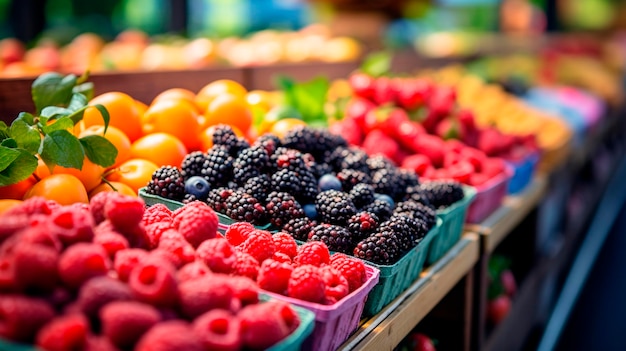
[413,93]
[451,158]
[218,329]
[428,173]
[384,91]
[461,171]
[357,108]
[448,128]
[64,333]
[407,132]
[490,142]
[417,163]
[507,143]
[478,179]
[362,84]
[387,119]
[508,282]
[423,343]
[441,174]
[431,146]
[475,156]
[467,119]
[498,308]
[349,130]
[442,100]
[493,166]
[455,146]
[377,142]
[11,50]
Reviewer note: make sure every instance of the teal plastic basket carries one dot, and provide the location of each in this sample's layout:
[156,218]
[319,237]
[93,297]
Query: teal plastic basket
[396,278]
[453,219]
[295,340]
[13,346]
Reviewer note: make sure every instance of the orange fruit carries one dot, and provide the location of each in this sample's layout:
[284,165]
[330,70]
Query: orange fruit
[229,109]
[123,112]
[206,136]
[65,189]
[116,137]
[7,204]
[177,94]
[16,191]
[90,175]
[281,127]
[260,99]
[218,88]
[160,148]
[42,170]
[119,187]
[135,173]
[141,107]
[175,117]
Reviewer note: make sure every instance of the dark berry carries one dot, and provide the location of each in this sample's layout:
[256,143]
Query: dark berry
[251,162]
[417,194]
[269,142]
[217,199]
[167,182]
[223,135]
[417,211]
[334,207]
[335,237]
[282,207]
[362,225]
[405,230]
[381,248]
[386,198]
[243,207]
[349,178]
[192,165]
[380,208]
[443,193]
[258,187]
[388,181]
[310,211]
[352,158]
[311,140]
[379,162]
[286,181]
[198,187]
[218,166]
[329,182]
[299,228]
[362,195]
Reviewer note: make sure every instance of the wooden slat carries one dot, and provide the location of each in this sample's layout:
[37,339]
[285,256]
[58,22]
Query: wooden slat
[264,77]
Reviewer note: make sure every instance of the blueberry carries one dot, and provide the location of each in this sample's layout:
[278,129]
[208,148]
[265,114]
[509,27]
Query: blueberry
[329,182]
[198,187]
[310,211]
[386,198]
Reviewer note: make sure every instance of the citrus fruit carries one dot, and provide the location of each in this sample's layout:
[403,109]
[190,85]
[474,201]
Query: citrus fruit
[116,137]
[218,88]
[119,187]
[206,136]
[122,110]
[90,175]
[281,127]
[175,117]
[136,173]
[176,94]
[7,204]
[229,109]
[141,107]
[65,189]
[160,148]
[16,191]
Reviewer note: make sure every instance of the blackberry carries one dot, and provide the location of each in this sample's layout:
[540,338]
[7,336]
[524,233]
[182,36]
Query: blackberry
[381,248]
[258,187]
[417,211]
[218,166]
[379,162]
[217,199]
[350,177]
[243,207]
[348,158]
[309,188]
[405,229]
[167,182]
[415,193]
[362,195]
[387,181]
[408,178]
[337,238]
[380,208]
[189,198]
[299,228]
[269,142]
[362,225]
[291,159]
[251,162]
[282,207]
[334,207]
[443,193]
[193,164]
[312,140]
[319,169]
[286,181]
[224,135]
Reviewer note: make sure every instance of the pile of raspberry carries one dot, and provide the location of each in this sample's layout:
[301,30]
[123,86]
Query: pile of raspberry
[113,275]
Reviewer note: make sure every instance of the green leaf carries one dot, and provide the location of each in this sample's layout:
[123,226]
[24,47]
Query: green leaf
[52,89]
[4,131]
[78,102]
[63,123]
[26,117]
[77,115]
[308,98]
[8,156]
[9,142]
[27,136]
[61,148]
[99,150]
[86,89]
[53,112]
[21,168]
[377,64]
[105,115]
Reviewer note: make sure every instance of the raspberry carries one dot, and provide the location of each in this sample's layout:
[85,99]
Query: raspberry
[10,225]
[126,260]
[306,283]
[274,276]
[7,274]
[181,251]
[99,343]
[81,262]
[260,328]
[351,268]
[64,333]
[97,203]
[244,289]
[281,257]
[99,291]
[124,211]
[59,297]
[153,281]
[284,310]
[285,243]
[238,232]
[112,242]
[218,330]
[155,230]
[191,271]
[173,335]
[314,253]
[31,206]
[124,322]
[201,295]
[217,254]
[72,225]
[246,265]
[21,317]
[137,236]
[336,284]
[35,266]
[157,213]
[259,245]
[196,221]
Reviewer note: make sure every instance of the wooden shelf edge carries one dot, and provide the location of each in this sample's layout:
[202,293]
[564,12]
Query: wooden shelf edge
[385,330]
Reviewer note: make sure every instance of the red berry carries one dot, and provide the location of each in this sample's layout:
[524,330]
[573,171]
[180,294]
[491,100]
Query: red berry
[351,268]
[196,221]
[40,233]
[274,276]
[192,270]
[244,289]
[126,260]
[217,254]
[173,335]
[112,242]
[285,243]
[284,310]
[259,245]
[21,317]
[153,281]
[218,330]
[246,265]
[336,284]
[97,203]
[180,249]
[280,257]
[238,232]
[35,266]
[314,253]
[10,225]
[499,308]
[72,225]
[306,283]
[204,294]
[260,328]
[31,206]
[124,322]
[83,261]
[125,212]
[98,292]
[362,84]
[157,213]
[156,230]
[99,343]
[8,280]
[64,333]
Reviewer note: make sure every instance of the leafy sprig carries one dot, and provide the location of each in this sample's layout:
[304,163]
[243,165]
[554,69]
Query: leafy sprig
[60,102]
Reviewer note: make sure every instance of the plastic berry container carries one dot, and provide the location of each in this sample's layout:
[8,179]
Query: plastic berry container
[523,172]
[489,197]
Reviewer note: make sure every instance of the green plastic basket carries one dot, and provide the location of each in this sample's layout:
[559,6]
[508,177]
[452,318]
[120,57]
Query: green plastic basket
[13,346]
[295,340]
[396,278]
[453,219]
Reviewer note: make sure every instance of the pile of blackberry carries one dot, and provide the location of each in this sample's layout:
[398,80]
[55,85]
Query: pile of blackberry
[314,186]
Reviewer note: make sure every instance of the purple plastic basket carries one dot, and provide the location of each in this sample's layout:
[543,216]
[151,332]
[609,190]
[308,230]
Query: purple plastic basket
[489,197]
[334,323]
